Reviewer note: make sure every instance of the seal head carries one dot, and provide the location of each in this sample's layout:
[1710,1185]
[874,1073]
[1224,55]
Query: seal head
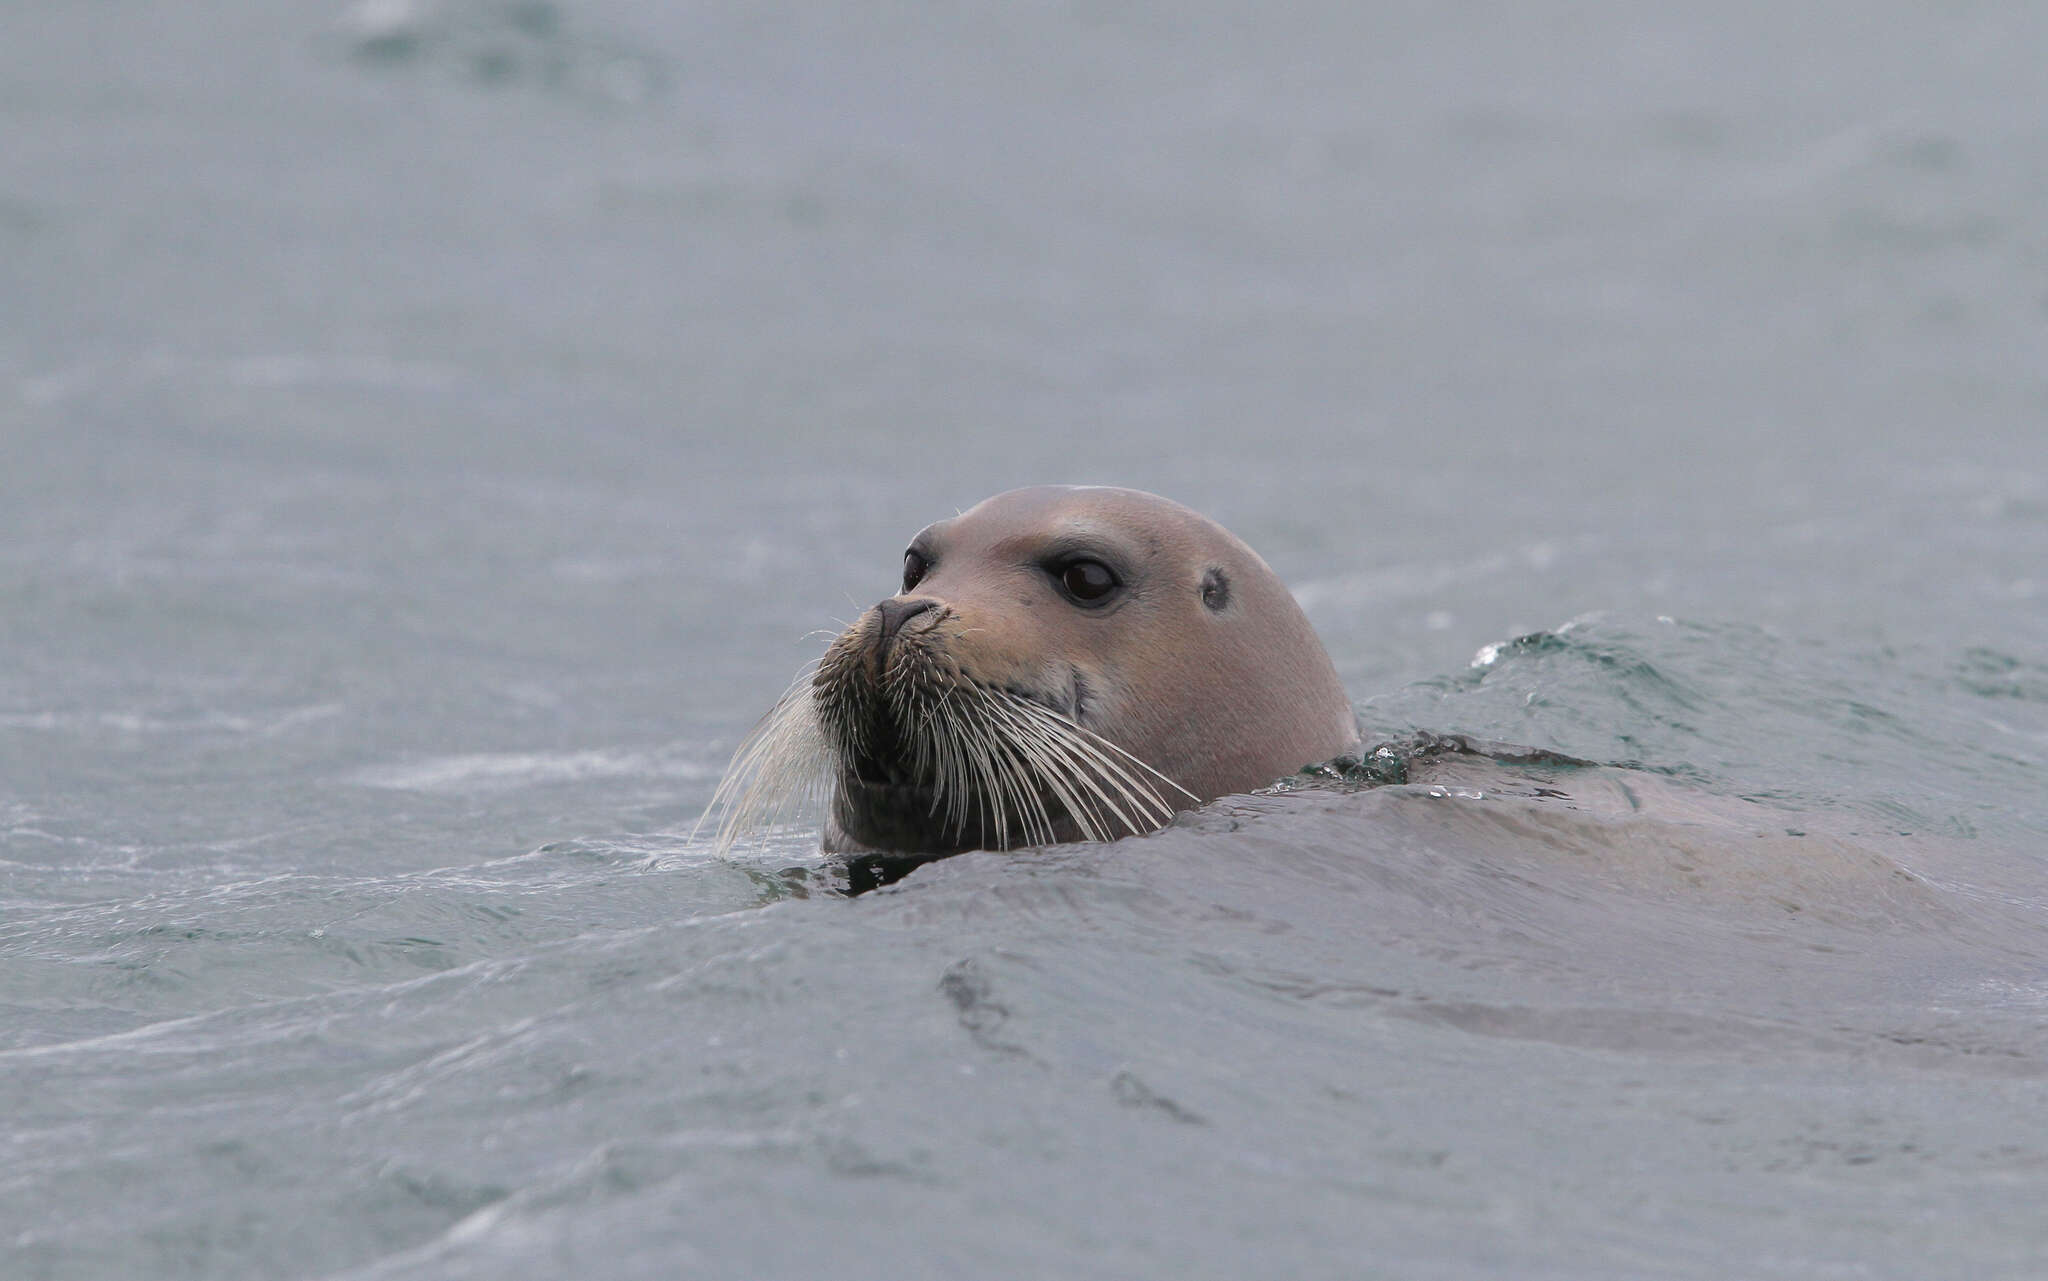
[1062,663]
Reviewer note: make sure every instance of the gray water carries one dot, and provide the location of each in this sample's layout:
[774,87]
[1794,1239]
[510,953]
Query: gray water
[430,434]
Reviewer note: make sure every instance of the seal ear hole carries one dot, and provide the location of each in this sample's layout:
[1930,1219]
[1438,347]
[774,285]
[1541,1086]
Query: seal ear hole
[1215,589]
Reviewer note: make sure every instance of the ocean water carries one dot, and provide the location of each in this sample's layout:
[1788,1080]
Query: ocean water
[432,431]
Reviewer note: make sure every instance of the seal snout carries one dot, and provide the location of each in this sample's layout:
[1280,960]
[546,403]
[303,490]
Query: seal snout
[892,613]
[874,684]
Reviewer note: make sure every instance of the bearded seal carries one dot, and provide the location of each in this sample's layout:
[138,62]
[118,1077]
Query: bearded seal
[1062,663]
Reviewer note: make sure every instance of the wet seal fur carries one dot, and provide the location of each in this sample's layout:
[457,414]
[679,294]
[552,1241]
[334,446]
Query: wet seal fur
[1063,663]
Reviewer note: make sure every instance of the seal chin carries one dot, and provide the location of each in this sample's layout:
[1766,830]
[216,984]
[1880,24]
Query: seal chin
[868,815]
[903,817]
[940,795]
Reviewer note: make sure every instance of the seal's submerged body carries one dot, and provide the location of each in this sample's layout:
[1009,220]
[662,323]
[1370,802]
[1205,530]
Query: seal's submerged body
[1062,663]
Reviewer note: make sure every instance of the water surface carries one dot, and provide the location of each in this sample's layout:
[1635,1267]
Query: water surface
[433,432]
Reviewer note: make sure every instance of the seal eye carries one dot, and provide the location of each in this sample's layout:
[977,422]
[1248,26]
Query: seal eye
[915,567]
[1088,582]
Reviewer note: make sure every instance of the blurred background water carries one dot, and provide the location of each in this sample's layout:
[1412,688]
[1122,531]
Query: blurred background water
[431,431]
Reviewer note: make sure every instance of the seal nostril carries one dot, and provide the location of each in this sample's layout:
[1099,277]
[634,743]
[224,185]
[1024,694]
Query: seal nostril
[898,610]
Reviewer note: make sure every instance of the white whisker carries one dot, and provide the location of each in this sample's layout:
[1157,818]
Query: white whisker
[1053,769]
[783,768]
[995,768]
[1090,750]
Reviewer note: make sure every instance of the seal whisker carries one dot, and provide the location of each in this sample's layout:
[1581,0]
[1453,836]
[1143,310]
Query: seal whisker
[1056,765]
[1098,741]
[783,766]
[964,737]
[1005,771]
[938,755]
[1141,791]
[1136,812]
[969,738]
[1136,791]
[972,773]
[1083,794]
[1085,748]
[974,763]
[1028,767]
[1018,767]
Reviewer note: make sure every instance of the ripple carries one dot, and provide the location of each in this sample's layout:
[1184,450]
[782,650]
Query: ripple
[495,771]
[495,43]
